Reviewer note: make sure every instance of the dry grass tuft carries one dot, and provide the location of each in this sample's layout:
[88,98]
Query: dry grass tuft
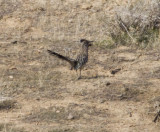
[7,104]
[10,128]
[136,23]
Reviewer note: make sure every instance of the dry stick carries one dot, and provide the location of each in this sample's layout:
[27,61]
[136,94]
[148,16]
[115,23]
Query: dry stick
[120,21]
[156,118]
[127,31]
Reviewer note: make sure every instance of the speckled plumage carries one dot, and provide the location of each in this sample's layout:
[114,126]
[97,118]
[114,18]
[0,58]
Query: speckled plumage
[81,59]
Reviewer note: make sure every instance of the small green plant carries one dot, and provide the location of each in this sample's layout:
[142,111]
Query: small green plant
[108,43]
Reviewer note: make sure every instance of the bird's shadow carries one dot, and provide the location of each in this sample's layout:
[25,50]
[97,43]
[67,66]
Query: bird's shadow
[92,77]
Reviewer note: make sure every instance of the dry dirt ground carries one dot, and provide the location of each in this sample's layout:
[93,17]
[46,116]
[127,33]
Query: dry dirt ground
[119,91]
[50,98]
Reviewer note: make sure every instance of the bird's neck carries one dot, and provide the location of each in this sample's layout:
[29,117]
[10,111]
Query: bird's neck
[85,49]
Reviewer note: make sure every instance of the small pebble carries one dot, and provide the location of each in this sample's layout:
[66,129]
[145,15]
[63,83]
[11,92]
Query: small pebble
[57,111]
[101,101]
[11,77]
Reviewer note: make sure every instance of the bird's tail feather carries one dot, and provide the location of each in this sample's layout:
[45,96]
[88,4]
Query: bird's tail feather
[71,61]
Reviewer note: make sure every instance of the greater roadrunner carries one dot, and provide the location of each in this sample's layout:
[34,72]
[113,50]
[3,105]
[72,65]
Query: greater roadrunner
[81,59]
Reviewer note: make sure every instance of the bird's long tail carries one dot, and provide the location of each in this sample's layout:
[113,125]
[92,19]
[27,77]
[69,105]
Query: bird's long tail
[71,61]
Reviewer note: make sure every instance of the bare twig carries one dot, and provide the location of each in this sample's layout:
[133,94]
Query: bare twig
[126,30]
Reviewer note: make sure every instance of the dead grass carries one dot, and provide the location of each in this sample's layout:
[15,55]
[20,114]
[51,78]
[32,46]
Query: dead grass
[63,130]
[51,97]
[62,114]
[10,128]
[8,104]
[69,115]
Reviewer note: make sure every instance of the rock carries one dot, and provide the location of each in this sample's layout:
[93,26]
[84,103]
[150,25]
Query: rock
[70,117]
[38,99]
[86,6]
[115,71]
[14,42]
[11,77]
[57,111]
[108,83]
[101,101]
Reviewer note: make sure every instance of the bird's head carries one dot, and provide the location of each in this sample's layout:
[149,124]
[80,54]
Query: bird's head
[86,42]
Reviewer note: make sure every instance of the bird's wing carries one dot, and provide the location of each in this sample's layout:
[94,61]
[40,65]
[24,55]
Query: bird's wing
[81,60]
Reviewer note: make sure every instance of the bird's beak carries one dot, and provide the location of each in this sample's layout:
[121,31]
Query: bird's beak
[90,43]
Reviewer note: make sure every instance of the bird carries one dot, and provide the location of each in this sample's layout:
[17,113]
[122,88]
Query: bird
[81,59]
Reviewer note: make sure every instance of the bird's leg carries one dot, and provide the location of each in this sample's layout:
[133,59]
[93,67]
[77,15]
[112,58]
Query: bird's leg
[76,73]
[80,72]
[79,75]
